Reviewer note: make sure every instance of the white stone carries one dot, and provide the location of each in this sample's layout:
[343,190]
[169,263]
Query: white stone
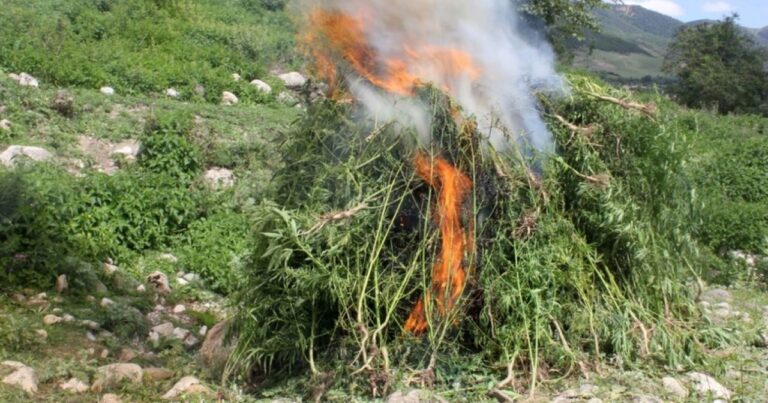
[228,98]
[192,277]
[705,384]
[113,375]
[105,302]
[674,387]
[164,330]
[107,90]
[50,320]
[127,148]
[109,268]
[61,283]
[182,281]
[110,398]
[187,385]
[89,324]
[179,309]
[38,154]
[141,288]
[287,99]
[74,385]
[236,77]
[23,377]
[292,80]
[180,333]
[41,334]
[203,331]
[220,177]
[168,257]
[159,282]
[5,124]
[90,336]
[262,86]
[191,341]
[172,93]
[24,80]
[716,295]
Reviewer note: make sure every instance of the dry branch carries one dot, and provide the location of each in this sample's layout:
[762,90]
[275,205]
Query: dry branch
[649,110]
[337,216]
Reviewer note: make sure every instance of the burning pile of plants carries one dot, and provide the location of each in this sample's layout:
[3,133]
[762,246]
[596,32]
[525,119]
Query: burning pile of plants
[417,226]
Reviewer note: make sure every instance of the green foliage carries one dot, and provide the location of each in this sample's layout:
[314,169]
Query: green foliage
[718,65]
[167,150]
[608,254]
[139,46]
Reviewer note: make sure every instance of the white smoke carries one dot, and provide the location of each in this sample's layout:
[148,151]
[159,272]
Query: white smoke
[512,65]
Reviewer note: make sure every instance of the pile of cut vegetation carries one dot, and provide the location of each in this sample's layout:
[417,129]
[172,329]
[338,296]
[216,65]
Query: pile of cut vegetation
[564,261]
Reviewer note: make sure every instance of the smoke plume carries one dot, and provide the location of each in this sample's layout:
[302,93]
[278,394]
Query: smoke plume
[478,51]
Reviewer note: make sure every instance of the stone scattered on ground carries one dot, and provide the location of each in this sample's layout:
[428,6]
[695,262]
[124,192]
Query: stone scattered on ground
[179,309]
[74,385]
[236,77]
[262,86]
[216,347]
[11,154]
[5,124]
[89,324]
[203,331]
[110,398]
[61,283]
[706,385]
[113,375]
[109,268]
[23,377]
[163,331]
[153,374]
[105,302]
[24,80]
[716,295]
[228,98]
[50,320]
[159,282]
[412,396]
[104,153]
[220,177]
[126,355]
[674,387]
[172,93]
[64,103]
[141,288]
[169,257]
[189,385]
[191,277]
[42,334]
[292,80]
[287,99]
[107,91]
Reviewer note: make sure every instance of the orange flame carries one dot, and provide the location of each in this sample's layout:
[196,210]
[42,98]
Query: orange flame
[448,272]
[334,35]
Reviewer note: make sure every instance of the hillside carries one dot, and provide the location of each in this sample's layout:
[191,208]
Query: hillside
[632,42]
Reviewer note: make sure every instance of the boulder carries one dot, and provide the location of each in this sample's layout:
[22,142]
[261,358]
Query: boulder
[219,177]
[172,93]
[179,309]
[292,80]
[11,153]
[189,385]
[674,387]
[105,302]
[74,385]
[23,377]
[153,374]
[262,86]
[228,98]
[159,282]
[24,80]
[165,330]
[113,375]
[50,320]
[107,91]
[706,385]
[218,345]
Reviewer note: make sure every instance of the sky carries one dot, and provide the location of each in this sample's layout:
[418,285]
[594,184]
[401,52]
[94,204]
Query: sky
[752,13]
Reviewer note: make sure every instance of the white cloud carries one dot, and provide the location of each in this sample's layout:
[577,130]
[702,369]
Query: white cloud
[717,7]
[667,7]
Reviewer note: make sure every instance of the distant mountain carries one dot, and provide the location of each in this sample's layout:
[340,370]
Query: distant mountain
[633,41]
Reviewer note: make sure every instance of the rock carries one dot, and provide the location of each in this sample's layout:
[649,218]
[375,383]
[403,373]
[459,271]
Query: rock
[107,91]
[74,385]
[157,374]
[5,125]
[110,398]
[18,298]
[11,153]
[203,331]
[189,385]
[182,281]
[141,288]
[413,396]
[292,80]
[41,334]
[705,385]
[159,281]
[109,268]
[67,318]
[111,376]
[228,98]
[192,277]
[104,354]
[38,300]
[287,99]
[89,324]
[126,355]
[220,178]
[646,399]
[217,347]
[180,333]
[90,337]
[23,377]
[168,257]
[24,80]
[165,330]
[128,149]
[191,341]
[61,283]
[179,309]
[716,295]
[262,86]
[674,387]
[50,320]
[236,77]
[172,93]
[105,302]
[100,288]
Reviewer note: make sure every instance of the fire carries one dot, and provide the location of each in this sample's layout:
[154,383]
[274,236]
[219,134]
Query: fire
[448,273]
[335,35]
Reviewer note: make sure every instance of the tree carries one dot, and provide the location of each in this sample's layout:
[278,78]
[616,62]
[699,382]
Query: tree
[718,65]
